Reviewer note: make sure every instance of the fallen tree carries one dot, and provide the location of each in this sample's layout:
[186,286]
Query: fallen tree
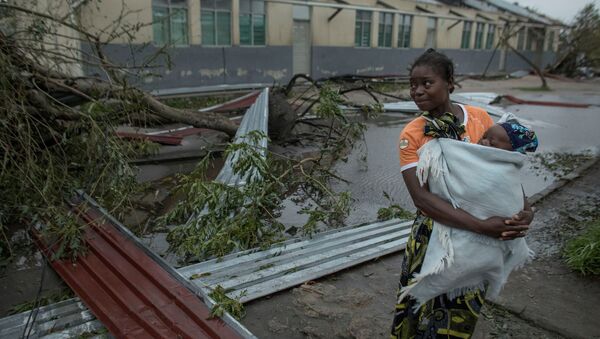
[57,135]
[57,127]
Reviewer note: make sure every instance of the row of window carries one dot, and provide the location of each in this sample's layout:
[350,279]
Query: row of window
[535,39]
[363,31]
[170,26]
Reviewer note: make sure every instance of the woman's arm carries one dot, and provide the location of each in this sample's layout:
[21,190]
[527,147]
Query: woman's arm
[443,212]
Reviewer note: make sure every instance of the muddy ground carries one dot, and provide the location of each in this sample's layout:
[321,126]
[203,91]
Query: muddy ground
[543,300]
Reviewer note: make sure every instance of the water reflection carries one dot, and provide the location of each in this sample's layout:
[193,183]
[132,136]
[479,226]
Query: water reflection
[559,130]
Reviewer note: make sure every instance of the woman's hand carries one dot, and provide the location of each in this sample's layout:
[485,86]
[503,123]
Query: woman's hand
[523,218]
[503,229]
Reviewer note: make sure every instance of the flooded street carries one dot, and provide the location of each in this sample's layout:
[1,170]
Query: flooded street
[559,129]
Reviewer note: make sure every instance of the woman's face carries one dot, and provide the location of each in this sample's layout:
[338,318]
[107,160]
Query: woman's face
[428,89]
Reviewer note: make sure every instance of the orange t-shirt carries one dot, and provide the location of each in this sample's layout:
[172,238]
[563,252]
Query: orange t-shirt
[412,137]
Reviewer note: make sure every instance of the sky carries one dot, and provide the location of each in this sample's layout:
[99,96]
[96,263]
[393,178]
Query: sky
[564,10]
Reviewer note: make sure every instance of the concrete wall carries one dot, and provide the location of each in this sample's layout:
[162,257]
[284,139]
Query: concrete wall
[331,61]
[195,66]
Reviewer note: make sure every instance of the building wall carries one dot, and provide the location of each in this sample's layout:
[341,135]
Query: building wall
[332,47]
[101,18]
[279,24]
[58,47]
[196,66]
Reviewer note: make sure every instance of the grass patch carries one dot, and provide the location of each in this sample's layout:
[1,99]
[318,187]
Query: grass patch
[582,254]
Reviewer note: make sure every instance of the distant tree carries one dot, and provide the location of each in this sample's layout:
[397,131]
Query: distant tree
[581,42]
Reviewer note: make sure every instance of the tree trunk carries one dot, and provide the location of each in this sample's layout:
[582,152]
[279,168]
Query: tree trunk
[530,63]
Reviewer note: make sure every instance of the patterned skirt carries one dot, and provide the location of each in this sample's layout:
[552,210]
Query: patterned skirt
[440,317]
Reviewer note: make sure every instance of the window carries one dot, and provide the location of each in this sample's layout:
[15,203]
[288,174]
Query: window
[386,22]
[404,31]
[362,32]
[215,19]
[169,22]
[529,40]
[550,41]
[521,38]
[430,39]
[489,41]
[252,22]
[479,35]
[466,35]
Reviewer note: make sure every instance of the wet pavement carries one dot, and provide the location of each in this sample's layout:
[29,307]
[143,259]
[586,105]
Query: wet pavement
[559,129]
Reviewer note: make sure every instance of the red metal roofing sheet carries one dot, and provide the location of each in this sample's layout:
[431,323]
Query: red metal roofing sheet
[544,103]
[161,139]
[131,294]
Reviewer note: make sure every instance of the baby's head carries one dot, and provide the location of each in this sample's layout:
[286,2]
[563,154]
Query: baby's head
[510,136]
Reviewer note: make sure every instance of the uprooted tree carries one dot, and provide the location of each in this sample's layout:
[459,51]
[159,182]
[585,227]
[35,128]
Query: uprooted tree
[57,135]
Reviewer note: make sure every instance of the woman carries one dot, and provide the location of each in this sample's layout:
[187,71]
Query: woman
[431,82]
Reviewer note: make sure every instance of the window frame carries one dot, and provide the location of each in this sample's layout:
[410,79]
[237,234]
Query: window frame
[521,39]
[252,15]
[363,23]
[404,38]
[550,45]
[170,7]
[479,28]
[491,32]
[214,10]
[466,37]
[432,31]
[385,36]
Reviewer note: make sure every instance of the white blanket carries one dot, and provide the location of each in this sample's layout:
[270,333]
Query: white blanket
[483,181]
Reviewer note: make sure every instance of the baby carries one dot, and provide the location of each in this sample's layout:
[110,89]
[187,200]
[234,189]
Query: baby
[510,136]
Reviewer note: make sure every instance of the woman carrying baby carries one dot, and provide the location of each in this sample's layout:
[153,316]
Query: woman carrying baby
[444,316]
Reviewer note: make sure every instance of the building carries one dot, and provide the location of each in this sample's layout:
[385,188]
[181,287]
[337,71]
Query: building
[265,41]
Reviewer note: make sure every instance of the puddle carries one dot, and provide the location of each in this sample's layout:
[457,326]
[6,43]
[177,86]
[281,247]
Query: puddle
[562,130]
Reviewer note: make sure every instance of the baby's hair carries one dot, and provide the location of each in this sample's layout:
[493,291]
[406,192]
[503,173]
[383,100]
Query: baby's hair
[439,62]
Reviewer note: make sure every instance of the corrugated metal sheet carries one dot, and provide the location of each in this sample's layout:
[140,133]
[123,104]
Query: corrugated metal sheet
[401,106]
[252,274]
[66,319]
[482,97]
[480,5]
[181,91]
[491,110]
[473,100]
[516,9]
[256,118]
[244,101]
[249,275]
[129,292]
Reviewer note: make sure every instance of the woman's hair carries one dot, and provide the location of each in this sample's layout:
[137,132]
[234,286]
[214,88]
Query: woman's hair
[439,62]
